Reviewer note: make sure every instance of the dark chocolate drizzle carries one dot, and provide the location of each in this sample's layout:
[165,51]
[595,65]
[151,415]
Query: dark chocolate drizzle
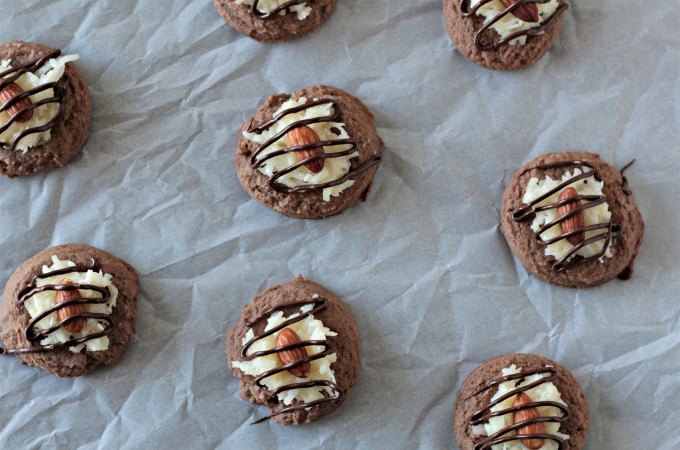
[627,273]
[466,11]
[274,12]
[624,185]
[483,415]
[59,88]
[319,305]
[527,211]
[256,162]
[35,335]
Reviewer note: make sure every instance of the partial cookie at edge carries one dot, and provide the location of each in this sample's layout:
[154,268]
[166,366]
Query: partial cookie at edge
[278,29]
[577,425]
[70,131]
[462,32]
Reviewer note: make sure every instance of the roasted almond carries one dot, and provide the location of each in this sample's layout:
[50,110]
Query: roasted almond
[302,136]
[527,12]
[287,337]
[575,222]
[71,310]
[532,428]
[9,92]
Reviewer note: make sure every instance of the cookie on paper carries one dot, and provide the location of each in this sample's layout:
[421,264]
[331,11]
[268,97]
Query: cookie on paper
[274,20]
[571,220]
[310,154]
[69,309]
[521,401]
[297,350]
[45,108]
[504,34]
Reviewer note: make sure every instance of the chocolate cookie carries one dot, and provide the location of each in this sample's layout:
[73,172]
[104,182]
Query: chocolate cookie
[501,37]
[297,350]
[274,20]
[68,309]
[45,108]
[571,220]
[530,400]
[310,154]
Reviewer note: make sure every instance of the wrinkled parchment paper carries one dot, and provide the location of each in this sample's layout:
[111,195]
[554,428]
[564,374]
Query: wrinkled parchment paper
[422,264]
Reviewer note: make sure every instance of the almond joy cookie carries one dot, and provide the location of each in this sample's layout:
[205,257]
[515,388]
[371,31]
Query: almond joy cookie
[296,349]
[45,108]
[519,402]
[571,219]
[310,154]
[274,20]
[69,309]
[504,34]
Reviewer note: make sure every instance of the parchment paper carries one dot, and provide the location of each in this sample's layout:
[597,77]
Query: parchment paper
[423,266]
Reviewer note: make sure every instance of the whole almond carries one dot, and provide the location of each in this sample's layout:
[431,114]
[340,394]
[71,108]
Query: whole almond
[574,222]
[287,337]
[9,92]
[528,12]
[302,136]
[71,310]
[527,414]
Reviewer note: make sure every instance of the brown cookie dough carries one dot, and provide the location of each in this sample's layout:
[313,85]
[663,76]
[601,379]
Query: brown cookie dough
[273,27]
[71,124]
[627,225]
[309,204]
[346,345]
[475,395]
[60,361]
[463,31]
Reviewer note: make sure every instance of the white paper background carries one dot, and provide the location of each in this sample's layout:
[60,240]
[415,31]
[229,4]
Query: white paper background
[422,264]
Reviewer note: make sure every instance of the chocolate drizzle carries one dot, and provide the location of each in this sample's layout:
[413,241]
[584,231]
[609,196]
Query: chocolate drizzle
[483,415]
[274,12]
[528,211]
[624,185]
[319,305]
[467,11]
[59,88]
[257,162]
[34,336]
[627,273]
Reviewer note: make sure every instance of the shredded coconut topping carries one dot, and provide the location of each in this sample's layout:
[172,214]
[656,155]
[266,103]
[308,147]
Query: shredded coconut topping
[42,300]
[265,6]
[596,214]
[510,23]
[307,329]
[542,392]
[334,168]
[50,72]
